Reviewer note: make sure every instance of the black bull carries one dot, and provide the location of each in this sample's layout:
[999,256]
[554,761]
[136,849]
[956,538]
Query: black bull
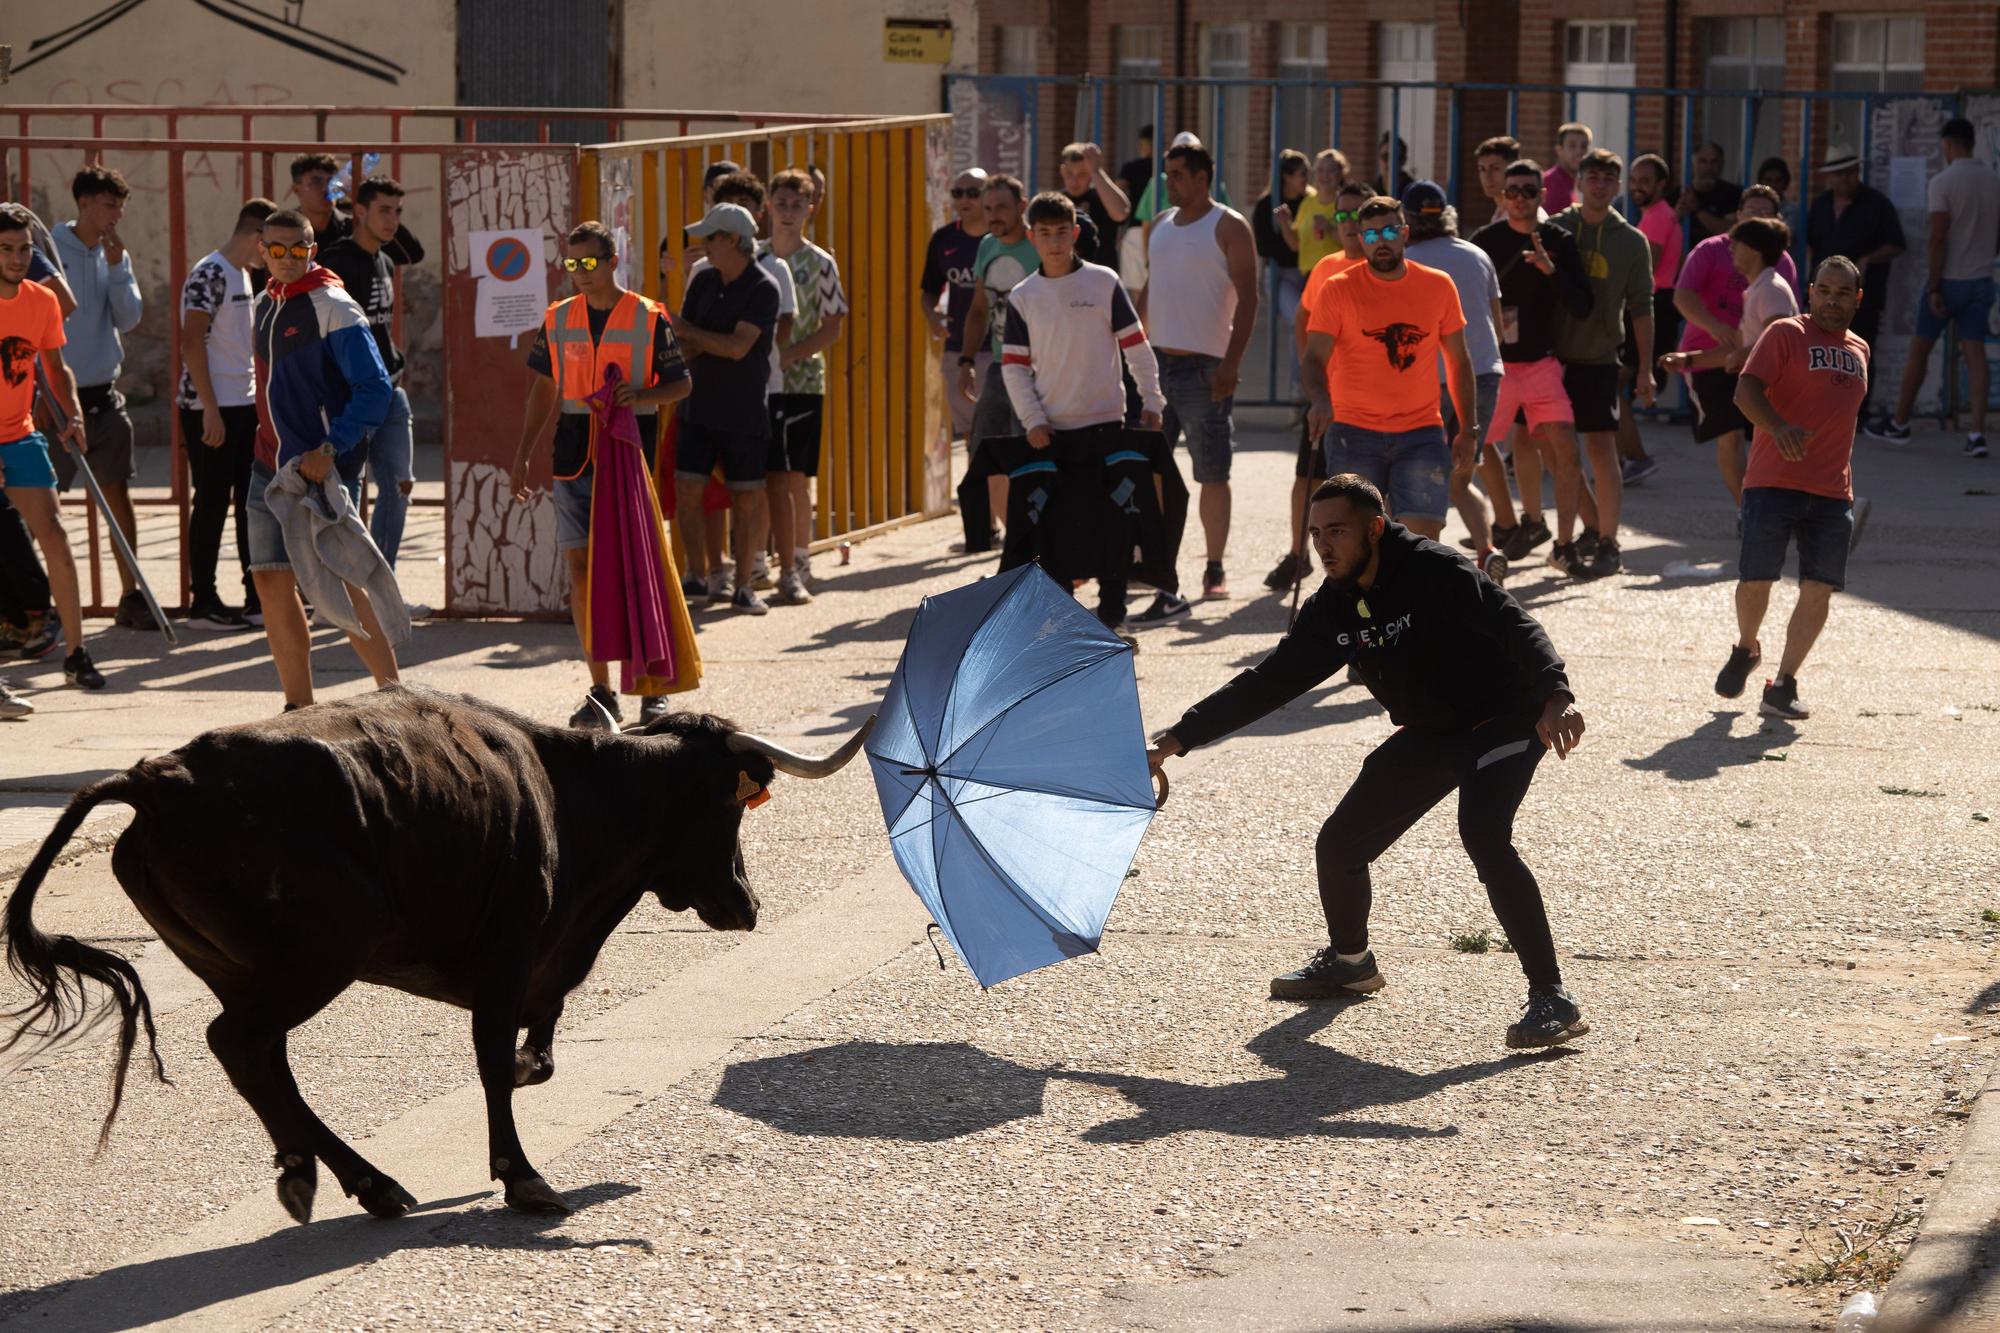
[424,841]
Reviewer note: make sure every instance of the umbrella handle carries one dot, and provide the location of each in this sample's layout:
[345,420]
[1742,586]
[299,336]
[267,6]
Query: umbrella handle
[1160,781]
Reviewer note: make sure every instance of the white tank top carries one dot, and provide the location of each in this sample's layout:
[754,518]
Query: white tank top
[1190,301]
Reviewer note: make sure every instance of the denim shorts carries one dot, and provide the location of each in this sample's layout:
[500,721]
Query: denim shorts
[1191,411]
[1967,302]
[267,538]
[572,497]
[1774,516]
[1485,392]
[1411,468]
[25,463]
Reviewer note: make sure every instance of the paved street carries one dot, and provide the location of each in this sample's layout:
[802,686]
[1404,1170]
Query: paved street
[1776,930]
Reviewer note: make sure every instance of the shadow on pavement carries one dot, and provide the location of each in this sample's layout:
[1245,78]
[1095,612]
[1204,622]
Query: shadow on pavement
[137,1294]
[1709,748]
[929,1092]
[1954,1298]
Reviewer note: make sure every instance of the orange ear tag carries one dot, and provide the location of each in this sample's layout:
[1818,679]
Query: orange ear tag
[749,793]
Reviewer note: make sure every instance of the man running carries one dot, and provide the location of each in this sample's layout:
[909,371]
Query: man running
[1383,326]
[1802,390]
[1200,305]
[1410,616]
[1310,469]
[1539,270]
[1618,263]
[1434,243]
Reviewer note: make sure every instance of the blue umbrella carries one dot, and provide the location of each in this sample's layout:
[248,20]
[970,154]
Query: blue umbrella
[1011,763]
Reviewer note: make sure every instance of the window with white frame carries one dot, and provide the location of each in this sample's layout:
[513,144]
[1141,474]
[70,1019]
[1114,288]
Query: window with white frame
[1873,53]
[1225,112]
[1743,55]
[1139,52]
[1598,53]
[1020,48]
[1304,114]
[1406,53]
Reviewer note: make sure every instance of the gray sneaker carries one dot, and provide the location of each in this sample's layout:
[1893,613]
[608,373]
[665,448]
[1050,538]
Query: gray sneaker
[13,705]
[721,587]
[747,601]
[1325,977]
[652,707]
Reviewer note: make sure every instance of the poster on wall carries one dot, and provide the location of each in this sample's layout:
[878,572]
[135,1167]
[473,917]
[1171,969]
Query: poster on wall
[991,124]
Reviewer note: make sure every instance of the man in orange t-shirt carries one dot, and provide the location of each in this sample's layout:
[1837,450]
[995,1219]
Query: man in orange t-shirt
[1802,389]
[1311,469]
[31,331]
[1382,325]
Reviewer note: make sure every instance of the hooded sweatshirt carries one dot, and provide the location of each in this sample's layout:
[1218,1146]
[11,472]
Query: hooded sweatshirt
[1440,645]
[320,378]
[1619,264]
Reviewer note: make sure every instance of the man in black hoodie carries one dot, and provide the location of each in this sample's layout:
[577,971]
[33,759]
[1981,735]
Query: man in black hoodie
[1477,693]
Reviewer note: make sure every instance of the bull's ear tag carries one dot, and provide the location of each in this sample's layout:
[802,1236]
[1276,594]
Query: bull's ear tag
[750,793]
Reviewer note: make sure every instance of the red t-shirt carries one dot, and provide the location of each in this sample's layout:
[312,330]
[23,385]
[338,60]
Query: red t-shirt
[1815,381]
[1386,339]
[30,324]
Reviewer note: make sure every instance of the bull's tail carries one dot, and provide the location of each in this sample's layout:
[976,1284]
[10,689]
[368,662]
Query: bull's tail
[55,967]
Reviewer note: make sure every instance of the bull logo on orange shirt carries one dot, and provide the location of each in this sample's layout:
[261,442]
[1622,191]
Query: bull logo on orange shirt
[17,360]
[1400,341]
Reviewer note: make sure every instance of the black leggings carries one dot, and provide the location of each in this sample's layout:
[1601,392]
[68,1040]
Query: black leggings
[221,477]
[1405,776]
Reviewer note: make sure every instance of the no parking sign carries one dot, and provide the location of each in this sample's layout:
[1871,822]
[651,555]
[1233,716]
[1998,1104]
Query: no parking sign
[513,282]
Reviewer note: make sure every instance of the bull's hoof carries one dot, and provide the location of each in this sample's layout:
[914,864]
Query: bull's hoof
[533,1195]
[532,1066]
[384,1198]
[296,1193]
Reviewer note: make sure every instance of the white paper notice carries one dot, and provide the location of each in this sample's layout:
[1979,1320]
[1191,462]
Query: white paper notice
[1907,179]
[513,283]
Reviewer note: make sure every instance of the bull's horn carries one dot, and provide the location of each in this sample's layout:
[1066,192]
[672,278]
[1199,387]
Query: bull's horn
[800,765]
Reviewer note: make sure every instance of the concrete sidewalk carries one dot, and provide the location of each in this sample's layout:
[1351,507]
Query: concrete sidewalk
[1776,930]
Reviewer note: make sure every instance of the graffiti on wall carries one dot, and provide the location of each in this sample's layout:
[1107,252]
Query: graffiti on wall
[281,21]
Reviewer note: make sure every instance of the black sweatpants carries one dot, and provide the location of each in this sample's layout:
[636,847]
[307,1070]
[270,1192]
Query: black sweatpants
[221,477]
[1491,766]
[24,586]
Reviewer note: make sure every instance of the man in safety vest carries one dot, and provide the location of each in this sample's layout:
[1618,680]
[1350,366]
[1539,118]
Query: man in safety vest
[601,326]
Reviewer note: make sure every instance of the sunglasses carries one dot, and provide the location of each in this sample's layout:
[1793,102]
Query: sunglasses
[1522,191]
[1344,215]
[1371,235]
[971,193]
[587,263]
[298,250]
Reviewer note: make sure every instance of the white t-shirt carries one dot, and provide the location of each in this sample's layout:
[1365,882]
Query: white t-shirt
[788,304]
[1769,297]
[1969,194]
[1060,350]
[220,290]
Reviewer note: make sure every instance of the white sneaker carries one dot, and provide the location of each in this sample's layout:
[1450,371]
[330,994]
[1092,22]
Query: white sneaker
[13,705]
[792,590]
[802,561]
[419,610]
[760,573]
[721,587]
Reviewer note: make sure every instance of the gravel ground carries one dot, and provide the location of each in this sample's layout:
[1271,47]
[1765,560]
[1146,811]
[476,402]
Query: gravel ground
[1786,964]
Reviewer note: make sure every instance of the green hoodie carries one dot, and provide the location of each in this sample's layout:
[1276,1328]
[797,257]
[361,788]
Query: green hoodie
[1619,264]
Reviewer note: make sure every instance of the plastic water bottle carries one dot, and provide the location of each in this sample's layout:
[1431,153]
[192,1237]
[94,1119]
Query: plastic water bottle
[1858,1315]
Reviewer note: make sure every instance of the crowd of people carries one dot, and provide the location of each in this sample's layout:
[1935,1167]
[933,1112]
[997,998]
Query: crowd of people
[1451,372]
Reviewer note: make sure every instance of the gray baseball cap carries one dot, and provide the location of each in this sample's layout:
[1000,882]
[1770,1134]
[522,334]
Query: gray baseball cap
[732,218]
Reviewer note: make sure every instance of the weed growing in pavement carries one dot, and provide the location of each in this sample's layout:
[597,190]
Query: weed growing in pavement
[1989,915]
[1855,1251]
[1745,823]
[1479,941]
[1908,791]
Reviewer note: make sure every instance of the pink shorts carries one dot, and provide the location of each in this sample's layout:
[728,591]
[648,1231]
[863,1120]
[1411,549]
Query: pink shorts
[1531,389]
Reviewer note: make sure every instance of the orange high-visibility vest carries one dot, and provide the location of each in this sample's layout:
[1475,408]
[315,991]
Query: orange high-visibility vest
[577,363]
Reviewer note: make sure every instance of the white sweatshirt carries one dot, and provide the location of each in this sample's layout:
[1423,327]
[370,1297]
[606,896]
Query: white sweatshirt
[1059,352]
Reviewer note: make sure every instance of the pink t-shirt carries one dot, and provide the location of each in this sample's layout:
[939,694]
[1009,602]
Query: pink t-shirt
[1558,189]
[1660,226]
[1710,274]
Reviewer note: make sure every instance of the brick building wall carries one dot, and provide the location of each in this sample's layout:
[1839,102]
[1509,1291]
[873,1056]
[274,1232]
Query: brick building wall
[1491,41]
